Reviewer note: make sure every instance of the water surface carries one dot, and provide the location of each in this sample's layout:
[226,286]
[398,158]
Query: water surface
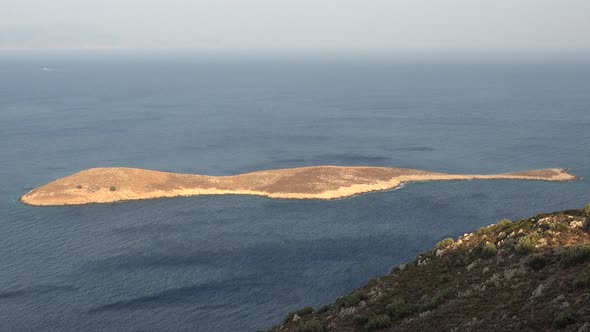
[239,263]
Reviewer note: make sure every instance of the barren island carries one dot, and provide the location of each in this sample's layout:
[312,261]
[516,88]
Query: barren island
[114,184]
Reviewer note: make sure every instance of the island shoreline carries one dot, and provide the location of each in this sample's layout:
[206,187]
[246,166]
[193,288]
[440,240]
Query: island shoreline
[121,184]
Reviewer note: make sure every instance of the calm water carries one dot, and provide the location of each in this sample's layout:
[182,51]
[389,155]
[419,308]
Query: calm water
[239,263]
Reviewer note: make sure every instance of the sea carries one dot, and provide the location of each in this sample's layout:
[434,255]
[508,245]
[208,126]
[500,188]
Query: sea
[241,263]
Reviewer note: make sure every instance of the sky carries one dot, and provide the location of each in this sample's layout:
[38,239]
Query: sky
[295,24]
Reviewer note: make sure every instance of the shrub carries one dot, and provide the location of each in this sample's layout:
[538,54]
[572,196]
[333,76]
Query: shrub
[449,262]
[323,309]
[500,225]
[352,299]
[399,308]
[378,322]
[79,186]
[526,244]
[301,312]
[445,243]
[564,318]
[373,281]
[112,188]
[360,319]
[312,325]
[439,298]
[489,250]
[558,227]
[587,209]
[536,262]
[575,254]
[445,277]
[581,281]
[503,223]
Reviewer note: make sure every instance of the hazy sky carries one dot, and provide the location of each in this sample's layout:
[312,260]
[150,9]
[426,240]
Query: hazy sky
[364,24]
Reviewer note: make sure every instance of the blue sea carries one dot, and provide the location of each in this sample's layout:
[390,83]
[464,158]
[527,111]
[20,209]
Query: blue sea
[240,263]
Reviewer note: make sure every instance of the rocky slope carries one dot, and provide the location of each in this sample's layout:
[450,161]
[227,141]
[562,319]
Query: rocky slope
[114,184]
[528,275]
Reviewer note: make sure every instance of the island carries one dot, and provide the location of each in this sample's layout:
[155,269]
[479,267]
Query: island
[115,184]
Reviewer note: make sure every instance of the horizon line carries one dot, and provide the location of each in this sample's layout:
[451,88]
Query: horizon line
[306,49]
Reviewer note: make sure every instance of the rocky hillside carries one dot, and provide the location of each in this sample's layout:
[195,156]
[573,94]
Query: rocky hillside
[528,275]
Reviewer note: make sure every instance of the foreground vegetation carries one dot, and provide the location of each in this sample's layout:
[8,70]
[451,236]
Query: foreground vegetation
[531,275]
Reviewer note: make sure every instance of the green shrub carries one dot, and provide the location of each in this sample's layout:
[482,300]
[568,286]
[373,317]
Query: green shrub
[425,256]
[399,308]
[373,281]
[378,322]
[445,278]
[351,300]
[564,318]
[112,188]
[537,262]
[526,244]
[587,209]
[360,320]
[323,309]
[503,223]
[439,298]
[558,227]
[575,254]
[447,263]
[301,312]
[312,325]
[489,250]
[488,230]
[582,281]
[445,243]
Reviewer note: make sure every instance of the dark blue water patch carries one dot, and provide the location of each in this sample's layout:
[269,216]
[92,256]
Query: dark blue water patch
[33,291]
[178,296]
[240,263]
[296,252]
[410,149]
[350,159]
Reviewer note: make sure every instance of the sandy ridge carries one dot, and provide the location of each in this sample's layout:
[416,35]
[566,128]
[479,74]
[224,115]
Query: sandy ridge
[114,184]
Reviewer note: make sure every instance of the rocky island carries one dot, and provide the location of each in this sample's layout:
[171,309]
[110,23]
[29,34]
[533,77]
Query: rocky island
[114,184]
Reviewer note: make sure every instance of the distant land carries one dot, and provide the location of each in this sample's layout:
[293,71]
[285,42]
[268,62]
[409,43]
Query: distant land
[115,184]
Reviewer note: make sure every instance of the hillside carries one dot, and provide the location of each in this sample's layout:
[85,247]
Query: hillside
[528,275]
[114,184]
